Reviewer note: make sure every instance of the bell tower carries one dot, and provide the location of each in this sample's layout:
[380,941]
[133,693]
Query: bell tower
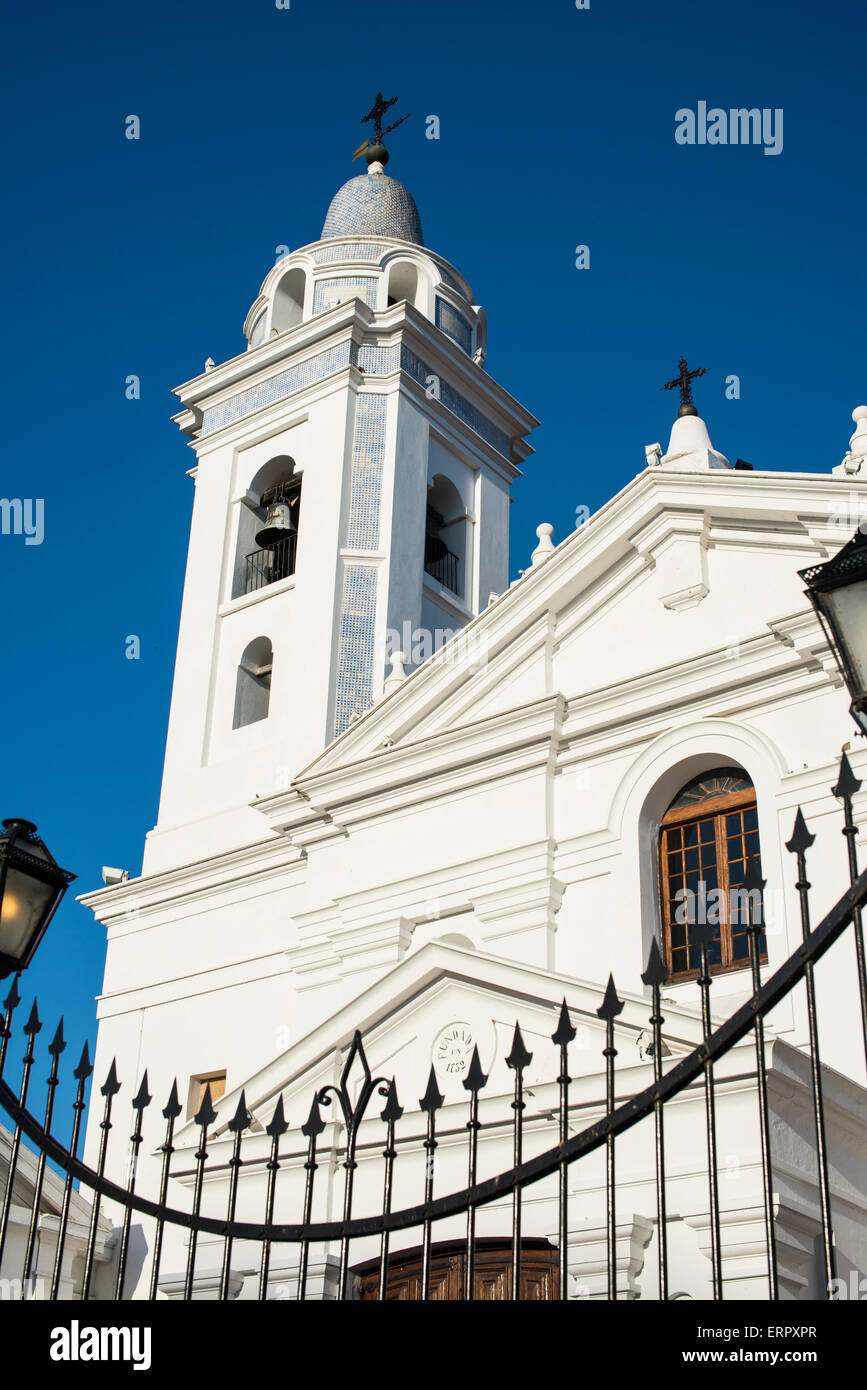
[352,470]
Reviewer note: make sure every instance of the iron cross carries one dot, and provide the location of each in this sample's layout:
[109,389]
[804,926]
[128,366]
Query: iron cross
[376,114]
[684,381]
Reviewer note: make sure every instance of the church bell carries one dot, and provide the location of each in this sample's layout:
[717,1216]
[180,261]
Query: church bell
[279,525]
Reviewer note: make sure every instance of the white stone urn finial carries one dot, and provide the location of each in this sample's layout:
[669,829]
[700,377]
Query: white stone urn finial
[545,546]
[854,463]
[397,675]
[858,442]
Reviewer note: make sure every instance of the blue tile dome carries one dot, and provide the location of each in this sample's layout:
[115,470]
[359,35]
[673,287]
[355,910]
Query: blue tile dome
[373,205]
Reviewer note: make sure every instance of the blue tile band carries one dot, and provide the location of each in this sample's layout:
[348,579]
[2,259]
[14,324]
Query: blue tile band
[350,287]
[282,384]
[374,361]
[454,325]
[457,404]
[365,487]
[350,251]
[355,648]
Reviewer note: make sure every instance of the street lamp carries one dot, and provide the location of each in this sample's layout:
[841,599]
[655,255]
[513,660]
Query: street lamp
[838,592]
[32,884]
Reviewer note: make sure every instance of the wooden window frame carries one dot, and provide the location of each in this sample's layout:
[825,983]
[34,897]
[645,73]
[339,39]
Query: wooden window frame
[198,1084]
[714,808]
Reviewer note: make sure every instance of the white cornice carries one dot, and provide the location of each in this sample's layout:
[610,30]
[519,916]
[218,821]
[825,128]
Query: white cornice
[455,431]
[382,784]
[135,898]
[710,685]
[343,323]
[355,322]
[770,667]
[588,556]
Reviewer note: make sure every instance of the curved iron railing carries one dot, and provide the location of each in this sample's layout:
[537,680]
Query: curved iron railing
[555,1160]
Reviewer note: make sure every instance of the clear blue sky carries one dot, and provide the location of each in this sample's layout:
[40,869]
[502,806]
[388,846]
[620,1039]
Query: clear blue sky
[557,129]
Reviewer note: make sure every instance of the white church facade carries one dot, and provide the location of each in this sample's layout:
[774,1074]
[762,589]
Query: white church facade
[363,827]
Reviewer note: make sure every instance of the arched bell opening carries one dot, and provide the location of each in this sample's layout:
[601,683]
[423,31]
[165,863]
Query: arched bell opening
[267,544]
[445,546]
[402,283]
[288,308]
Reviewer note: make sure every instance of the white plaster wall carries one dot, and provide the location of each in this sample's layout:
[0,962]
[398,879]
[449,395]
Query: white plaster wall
[209,767]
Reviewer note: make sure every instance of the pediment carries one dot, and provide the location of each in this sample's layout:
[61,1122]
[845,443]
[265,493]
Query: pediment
[431,1011]
[582,621]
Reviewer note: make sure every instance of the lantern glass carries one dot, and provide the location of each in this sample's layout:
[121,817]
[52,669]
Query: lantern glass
[837,590]
[25,902]
[32,884]
[845,609]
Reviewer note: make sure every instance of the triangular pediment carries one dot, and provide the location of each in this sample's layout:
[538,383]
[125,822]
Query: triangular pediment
[669,544]
[431,1011]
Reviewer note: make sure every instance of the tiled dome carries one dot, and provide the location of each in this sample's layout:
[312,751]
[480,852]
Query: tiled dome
[373,205]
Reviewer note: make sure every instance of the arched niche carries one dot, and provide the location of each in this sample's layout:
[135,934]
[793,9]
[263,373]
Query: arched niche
[289,300]
[257,332]
[253,683]
[251,516]
[456,938]
[446,556]
[402,282]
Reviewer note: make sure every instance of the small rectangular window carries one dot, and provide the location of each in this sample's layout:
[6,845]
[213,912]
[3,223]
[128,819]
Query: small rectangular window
[198,1084]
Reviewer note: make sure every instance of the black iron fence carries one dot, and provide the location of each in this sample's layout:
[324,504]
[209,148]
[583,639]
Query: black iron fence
[350,1108]
[267,566]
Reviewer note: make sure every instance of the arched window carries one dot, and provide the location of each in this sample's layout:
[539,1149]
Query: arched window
[707,838]
[267,542]
[289,300]
[445,544]
[402,283]
[257,332]
[253,685]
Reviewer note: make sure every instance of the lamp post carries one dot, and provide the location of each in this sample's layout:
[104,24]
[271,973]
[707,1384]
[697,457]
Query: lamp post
[32,884]
[838,592]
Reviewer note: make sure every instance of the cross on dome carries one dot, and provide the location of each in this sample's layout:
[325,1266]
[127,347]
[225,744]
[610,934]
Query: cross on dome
[683,381]
[373,204]
[373,150]
[689,448]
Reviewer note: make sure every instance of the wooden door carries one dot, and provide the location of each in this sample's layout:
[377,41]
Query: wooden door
[493,1273]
